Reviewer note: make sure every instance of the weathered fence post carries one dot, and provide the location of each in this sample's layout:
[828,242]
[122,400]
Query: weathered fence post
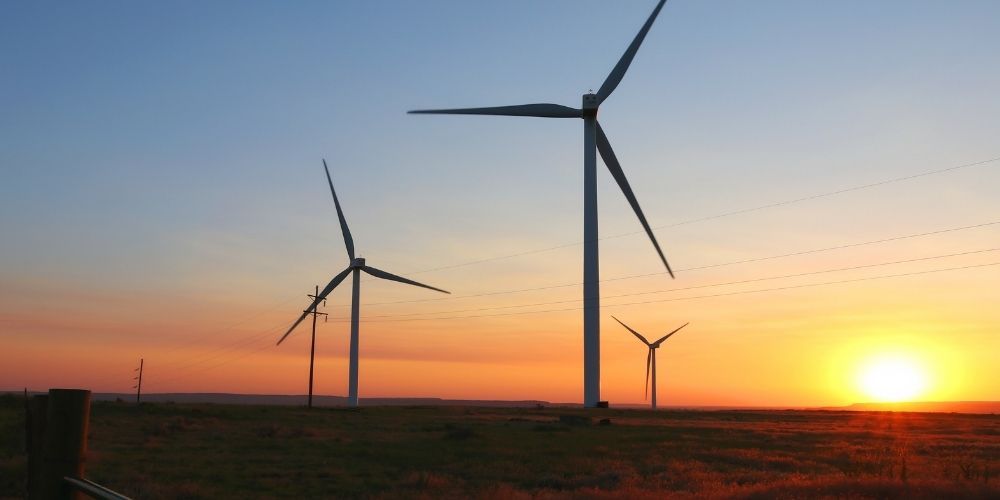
[64,445]
[34,430]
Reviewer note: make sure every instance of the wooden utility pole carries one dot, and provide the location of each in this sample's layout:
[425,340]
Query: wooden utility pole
[138,386]
[312,348]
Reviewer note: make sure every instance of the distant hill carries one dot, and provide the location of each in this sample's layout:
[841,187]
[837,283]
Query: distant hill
[300,400]
[927,406]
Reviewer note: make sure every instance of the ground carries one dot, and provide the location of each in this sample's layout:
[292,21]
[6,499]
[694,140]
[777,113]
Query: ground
[219,451]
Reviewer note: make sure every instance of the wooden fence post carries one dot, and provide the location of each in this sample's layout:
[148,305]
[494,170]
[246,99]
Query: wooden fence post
[64,445]
[35,430]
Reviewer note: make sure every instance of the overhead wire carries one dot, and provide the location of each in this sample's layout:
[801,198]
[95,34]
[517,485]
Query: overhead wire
[681,270]
[724,214]
[222,350]
[203,338]
[188,373]
[693,287]
[726,294]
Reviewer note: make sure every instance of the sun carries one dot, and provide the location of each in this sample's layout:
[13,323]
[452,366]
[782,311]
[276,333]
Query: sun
[892,378]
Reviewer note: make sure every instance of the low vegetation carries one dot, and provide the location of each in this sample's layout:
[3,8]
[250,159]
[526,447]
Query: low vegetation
[214,451]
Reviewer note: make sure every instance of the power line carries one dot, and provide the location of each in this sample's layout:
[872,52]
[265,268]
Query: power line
[742,292]
[723,214]
[220,352]
[697,268]
[235,346]
[694,287]
[827,194]
[211,367]
[205,338]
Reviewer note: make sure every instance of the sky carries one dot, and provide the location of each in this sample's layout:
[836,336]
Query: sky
[162,196]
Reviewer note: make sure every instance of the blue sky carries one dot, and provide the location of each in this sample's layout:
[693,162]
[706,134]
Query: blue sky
[174,149]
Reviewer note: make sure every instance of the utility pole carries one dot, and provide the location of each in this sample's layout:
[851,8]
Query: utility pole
[138,386]
[312,349]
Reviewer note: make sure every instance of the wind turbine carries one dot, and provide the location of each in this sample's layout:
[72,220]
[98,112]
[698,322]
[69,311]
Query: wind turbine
[593,140]
[651,356]
[354,268]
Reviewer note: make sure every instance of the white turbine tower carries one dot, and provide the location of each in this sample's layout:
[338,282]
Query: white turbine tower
[651,356]
[356,266]
[593,140]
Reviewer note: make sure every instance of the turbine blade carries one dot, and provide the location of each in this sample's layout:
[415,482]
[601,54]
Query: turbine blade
[667,336]
[611,161]
[649,360]
[378,273]
[613,79]
[637,334]
[542,110]
[348,241]
[319,298]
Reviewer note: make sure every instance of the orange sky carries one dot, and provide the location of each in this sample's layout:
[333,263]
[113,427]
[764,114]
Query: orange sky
[801,346]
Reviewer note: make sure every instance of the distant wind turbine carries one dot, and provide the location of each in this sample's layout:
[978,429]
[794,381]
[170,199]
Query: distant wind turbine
[356,266]
[593,140]
[651,356]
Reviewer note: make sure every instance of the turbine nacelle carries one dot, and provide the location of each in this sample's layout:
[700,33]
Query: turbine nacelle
[590,104]
[358,263]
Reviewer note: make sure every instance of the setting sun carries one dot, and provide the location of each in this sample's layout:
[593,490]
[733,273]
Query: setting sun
[893,379]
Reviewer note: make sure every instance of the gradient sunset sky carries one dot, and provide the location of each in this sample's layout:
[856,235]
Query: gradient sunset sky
[162,196]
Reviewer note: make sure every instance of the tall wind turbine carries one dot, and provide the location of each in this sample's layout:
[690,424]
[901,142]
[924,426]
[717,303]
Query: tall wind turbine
[651,356]
[593,140]
[354,268]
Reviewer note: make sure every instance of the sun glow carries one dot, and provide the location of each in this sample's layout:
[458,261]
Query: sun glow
[893,379]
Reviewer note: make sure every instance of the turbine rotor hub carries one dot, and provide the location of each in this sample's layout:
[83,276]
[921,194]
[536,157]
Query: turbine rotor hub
[358,263]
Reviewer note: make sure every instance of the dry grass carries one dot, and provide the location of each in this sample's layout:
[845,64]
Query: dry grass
[215,451]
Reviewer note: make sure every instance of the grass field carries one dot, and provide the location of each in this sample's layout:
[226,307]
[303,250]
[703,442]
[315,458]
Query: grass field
[217,451]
